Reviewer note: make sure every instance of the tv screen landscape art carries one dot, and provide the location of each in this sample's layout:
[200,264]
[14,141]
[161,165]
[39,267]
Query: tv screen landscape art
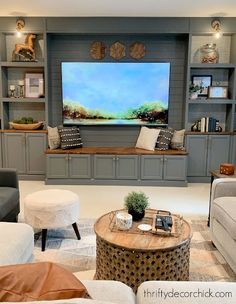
[115,93]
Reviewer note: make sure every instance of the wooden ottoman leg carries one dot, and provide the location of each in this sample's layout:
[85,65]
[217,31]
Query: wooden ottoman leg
[76,231]
[44,238]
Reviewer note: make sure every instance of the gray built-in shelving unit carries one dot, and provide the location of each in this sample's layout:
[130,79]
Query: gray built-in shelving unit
[174,40]
[13,71]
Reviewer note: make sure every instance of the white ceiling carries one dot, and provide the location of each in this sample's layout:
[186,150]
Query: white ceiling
[126,8]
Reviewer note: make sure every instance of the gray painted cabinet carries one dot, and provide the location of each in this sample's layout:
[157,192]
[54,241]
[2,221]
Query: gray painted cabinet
[57,166]
[115,166]
[36,144]
[218,151]
[68,166]
[117,169]
[1,162]
[197,155]
[163,167]
[175,167]
[14,153]
[233,150]
[127,167]
[151,167]
[206,152]
[79,166]
[25,152]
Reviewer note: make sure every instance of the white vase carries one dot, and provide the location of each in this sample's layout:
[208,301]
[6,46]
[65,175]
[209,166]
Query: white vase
[194,95]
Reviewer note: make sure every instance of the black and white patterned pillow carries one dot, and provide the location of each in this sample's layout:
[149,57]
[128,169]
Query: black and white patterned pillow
[70,138]
[164,139]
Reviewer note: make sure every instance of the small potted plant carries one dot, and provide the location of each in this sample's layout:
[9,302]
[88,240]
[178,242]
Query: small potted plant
[194,89]
[136,203]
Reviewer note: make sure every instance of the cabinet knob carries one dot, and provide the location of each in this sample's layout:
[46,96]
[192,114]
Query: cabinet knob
[69,157]
[117,158]
[114,158]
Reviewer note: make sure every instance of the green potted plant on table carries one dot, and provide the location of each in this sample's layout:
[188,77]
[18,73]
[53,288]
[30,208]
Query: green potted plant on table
[136,203]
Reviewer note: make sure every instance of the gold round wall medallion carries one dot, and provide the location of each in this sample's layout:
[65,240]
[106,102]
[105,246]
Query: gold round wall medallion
[137,50]
[117,50]
[98,50]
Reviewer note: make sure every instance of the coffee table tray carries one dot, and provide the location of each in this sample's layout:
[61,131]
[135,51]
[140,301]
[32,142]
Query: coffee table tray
[149,219]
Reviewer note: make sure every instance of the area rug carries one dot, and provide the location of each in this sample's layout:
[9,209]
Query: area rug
[206,263]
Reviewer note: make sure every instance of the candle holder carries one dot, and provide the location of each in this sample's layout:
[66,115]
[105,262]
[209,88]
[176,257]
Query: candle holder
[21,93]
[12,93]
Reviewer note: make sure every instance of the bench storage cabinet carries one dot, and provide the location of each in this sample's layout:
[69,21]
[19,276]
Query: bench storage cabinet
[116,166]
[63,166]
[163,167]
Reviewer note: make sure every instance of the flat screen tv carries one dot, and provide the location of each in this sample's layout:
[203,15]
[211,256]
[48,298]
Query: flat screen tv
[115,93]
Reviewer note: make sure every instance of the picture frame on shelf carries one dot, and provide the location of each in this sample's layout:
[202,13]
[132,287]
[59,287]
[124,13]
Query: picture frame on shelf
[204,81]
[218,92]
[34,85]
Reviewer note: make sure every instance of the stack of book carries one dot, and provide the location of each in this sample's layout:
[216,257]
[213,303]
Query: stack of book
[208,124]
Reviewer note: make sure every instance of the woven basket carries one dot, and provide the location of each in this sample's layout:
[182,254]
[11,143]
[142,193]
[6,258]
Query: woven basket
[33,126]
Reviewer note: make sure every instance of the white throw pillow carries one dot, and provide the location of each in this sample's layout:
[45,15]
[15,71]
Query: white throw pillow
[147,138]
[177,141]
[53,138]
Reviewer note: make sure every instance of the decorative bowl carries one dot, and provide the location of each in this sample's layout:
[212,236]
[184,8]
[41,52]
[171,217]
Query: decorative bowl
[33,126]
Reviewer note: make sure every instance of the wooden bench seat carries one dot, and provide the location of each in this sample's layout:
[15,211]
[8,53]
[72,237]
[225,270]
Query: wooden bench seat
[116,151]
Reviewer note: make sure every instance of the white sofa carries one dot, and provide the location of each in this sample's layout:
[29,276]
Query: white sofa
[155,292]
[223,218]
[16,243]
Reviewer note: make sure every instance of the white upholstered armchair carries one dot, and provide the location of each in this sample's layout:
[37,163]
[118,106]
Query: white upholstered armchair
[223,218]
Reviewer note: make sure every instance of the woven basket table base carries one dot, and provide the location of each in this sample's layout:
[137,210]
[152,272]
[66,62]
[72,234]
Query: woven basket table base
[134,267]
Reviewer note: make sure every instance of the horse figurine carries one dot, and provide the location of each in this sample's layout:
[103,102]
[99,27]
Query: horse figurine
[26,50]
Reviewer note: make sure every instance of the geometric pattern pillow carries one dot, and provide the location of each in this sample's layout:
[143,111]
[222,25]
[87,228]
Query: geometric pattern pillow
[164,139]
[70,137]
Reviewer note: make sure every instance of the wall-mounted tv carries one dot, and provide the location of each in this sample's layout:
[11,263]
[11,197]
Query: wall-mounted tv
[108,93]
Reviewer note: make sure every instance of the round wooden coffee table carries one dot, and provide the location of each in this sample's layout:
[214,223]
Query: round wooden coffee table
[133,257]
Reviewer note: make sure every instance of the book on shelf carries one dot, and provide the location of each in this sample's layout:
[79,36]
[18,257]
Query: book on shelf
[208,124]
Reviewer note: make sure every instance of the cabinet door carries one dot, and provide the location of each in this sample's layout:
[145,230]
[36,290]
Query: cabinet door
[35,157]
[233,152]
[104,166]
[79,166]
[14,151]
[57,166]
[197,155]
[218,151]
[127,167]
[1,151]
[175,167]
[151,167]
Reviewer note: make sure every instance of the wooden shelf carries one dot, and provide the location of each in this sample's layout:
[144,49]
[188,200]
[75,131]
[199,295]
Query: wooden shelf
[22,64]
[22,100]
[211,101]
[212,65]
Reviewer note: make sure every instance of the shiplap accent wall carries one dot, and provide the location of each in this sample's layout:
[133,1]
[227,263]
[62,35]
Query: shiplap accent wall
[159,48]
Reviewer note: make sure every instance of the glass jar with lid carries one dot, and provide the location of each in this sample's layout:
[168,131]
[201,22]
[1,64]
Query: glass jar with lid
[209,53]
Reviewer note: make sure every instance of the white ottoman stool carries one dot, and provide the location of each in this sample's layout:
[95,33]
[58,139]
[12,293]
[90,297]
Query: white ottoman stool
[50,209]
